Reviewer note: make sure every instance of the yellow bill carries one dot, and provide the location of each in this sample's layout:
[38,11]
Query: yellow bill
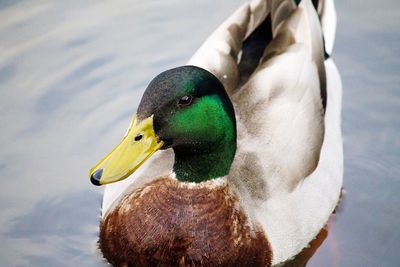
[139,143]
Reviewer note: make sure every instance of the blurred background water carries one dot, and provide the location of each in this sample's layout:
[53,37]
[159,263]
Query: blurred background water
[72,74]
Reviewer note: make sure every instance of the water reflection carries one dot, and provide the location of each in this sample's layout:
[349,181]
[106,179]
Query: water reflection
[57,231]
[71,76]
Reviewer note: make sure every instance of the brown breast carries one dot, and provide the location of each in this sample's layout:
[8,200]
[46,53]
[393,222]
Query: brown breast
[166,223]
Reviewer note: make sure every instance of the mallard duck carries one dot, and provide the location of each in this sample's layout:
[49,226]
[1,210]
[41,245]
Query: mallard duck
[234,159]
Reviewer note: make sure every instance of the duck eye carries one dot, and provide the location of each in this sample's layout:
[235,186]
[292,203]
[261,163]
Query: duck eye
[185,101]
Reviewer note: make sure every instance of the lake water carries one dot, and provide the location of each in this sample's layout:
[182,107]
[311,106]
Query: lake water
[72,74]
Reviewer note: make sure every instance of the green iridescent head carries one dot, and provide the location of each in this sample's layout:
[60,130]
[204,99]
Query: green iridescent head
[190,112]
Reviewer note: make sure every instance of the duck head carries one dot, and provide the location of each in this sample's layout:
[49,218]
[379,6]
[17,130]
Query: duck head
[186,109]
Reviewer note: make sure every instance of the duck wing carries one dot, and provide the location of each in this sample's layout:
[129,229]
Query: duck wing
[280,109]
[289,163]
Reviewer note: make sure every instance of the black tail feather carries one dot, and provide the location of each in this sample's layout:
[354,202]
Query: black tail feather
[253,49]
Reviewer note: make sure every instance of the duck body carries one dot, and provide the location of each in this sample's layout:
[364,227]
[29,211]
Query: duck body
[253,179]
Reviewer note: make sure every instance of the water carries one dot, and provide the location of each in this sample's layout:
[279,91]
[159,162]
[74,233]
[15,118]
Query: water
[71,76]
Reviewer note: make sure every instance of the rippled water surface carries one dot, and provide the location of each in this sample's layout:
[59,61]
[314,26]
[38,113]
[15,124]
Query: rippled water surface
[71,76]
